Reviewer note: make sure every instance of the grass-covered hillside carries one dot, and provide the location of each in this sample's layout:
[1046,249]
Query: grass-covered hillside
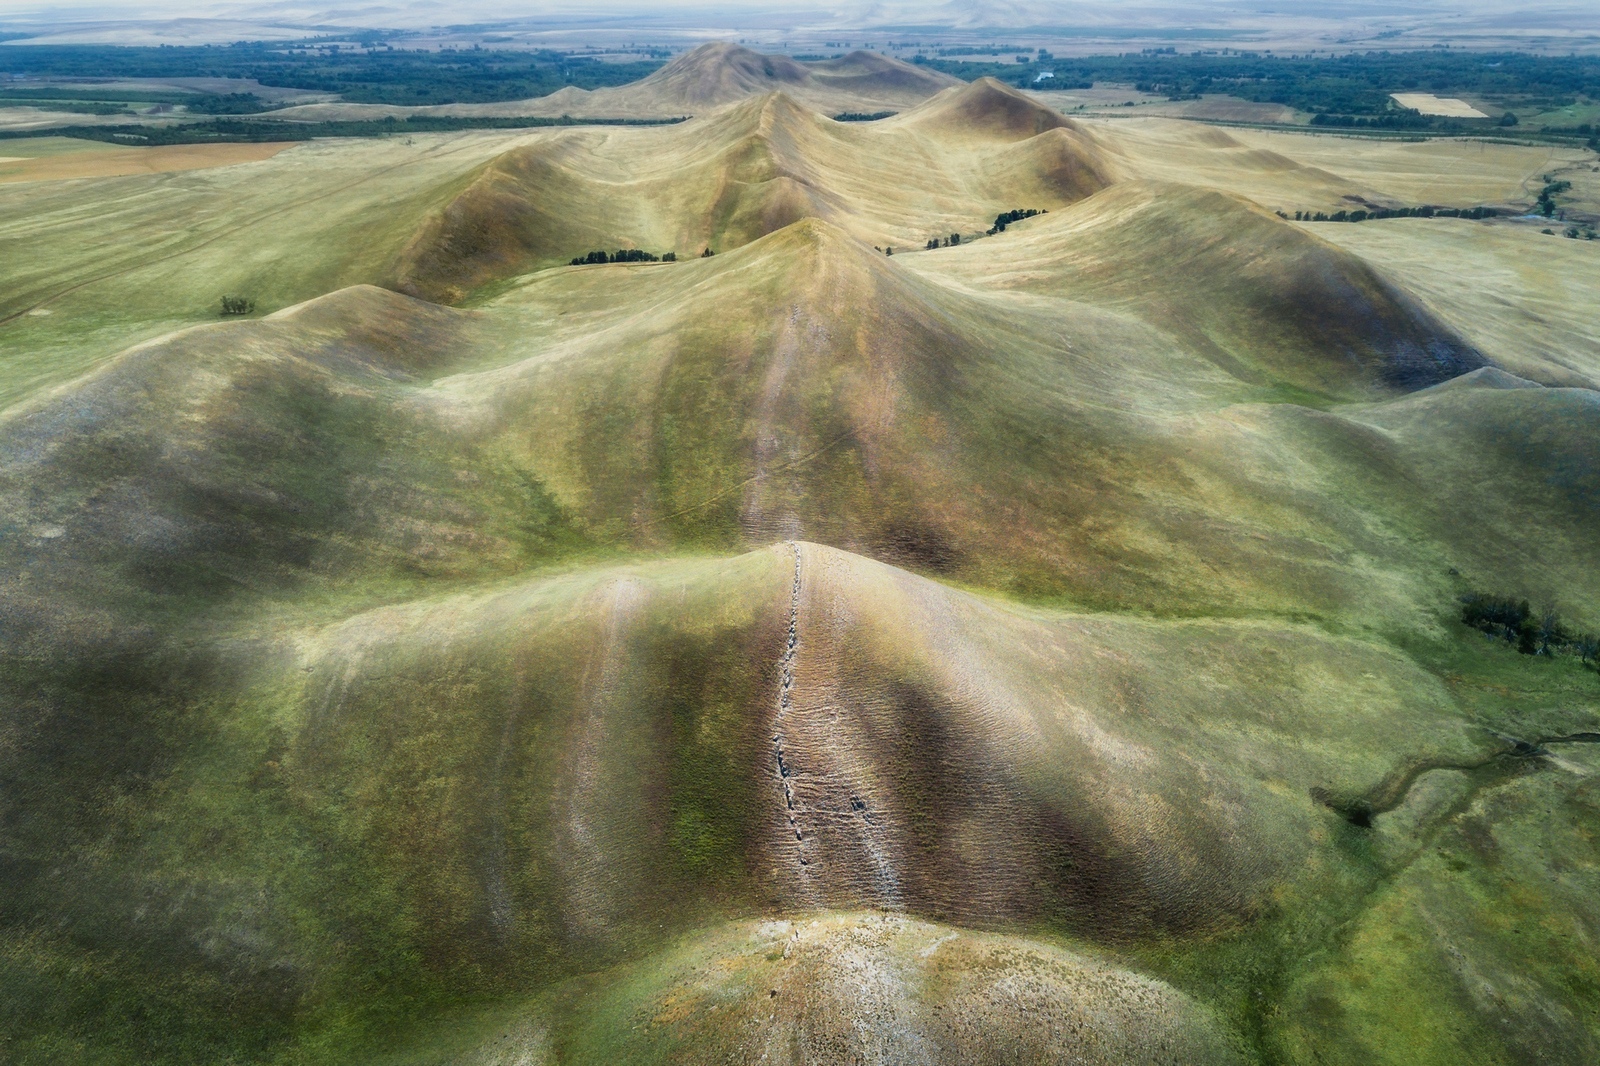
[918,631]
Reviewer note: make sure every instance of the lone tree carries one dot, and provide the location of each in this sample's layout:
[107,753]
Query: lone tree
[1587,648]
[237,305]
[1551,635]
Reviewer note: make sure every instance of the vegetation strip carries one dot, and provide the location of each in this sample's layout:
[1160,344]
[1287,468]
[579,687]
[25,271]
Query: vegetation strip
[1365,214]
[385,73]
[1392,791]
[229,130]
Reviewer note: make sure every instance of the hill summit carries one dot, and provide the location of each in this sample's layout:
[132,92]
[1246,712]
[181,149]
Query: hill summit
[722,73]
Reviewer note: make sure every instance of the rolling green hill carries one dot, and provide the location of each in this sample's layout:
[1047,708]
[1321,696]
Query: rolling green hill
[1044,648]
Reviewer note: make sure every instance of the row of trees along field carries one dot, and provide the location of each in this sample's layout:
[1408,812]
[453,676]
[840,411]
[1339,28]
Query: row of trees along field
[1363,214]
[623,255]
[630,255]
[1540,632]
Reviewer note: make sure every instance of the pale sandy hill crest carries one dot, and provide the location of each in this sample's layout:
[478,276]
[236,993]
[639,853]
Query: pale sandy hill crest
[721,73]
[987,108]
[871,71]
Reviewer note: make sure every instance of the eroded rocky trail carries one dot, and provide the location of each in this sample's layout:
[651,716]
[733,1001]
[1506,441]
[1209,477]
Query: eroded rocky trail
[841,847]
[780,723]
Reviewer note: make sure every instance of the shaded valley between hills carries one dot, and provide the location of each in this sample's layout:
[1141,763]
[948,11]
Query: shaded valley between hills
[1044,648]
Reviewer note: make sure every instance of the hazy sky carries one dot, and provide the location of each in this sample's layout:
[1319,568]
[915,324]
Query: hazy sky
[999,12]
[1289,20]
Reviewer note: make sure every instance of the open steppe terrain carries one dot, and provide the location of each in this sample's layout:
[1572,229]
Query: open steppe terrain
[58,158]
[1041,647]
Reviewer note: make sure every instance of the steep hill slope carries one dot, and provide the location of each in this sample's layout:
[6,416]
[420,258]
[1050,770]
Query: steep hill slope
[723,181]
[561,769]
[807,386]
[1264,298]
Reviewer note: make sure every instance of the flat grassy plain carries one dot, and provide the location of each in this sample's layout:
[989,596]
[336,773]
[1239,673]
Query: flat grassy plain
[1042,646]
[58,158]
[1295,171]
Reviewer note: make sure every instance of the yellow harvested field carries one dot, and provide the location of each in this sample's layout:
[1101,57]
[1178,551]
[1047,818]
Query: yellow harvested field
[1492,282]
[112,161]
[1429,104]
[35,118]
[1291,171]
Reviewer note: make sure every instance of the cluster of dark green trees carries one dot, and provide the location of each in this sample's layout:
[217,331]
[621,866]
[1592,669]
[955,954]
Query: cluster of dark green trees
[1533,633]
[227,130]
[1399,119]
[238,305]
[92,100]
[1425,211]
[1547,195]
[625,255]
[1005,218]
[1001,221]
[862,116]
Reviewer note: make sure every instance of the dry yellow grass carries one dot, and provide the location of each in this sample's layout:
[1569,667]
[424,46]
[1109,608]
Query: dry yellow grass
[1429,104]
[96,160]
[1293,171]
[37,118]
[1523,297]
